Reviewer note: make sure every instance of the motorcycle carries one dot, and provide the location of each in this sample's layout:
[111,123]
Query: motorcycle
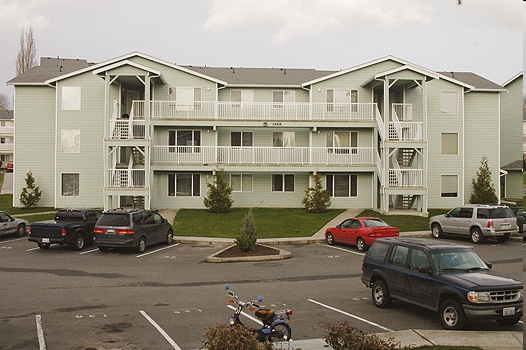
[275,323]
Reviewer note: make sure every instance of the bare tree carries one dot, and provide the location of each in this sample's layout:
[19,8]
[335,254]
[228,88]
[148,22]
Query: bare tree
[4,102]
[26,58]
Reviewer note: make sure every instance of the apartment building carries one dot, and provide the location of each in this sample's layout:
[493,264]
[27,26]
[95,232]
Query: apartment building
[7,129]
[139,131]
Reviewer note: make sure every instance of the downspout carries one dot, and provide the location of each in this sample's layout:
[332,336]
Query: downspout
[55,156]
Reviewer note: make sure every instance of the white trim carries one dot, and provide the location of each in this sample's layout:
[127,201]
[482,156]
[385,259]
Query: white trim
[518,75]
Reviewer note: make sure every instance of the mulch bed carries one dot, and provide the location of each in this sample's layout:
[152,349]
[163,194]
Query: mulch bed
[259,250]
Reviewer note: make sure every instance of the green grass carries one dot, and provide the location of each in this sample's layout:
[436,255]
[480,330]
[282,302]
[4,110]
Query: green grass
[406,223]
[6,204]
[270,222]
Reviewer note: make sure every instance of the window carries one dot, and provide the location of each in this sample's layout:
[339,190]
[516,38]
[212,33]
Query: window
[184,185]
[187,141]
[241,139]
[70,185]
[340,100]
[283,139]
[340,142]
[239,97]
[71,98]
[449,186]
[418,259]
[280,97]
[342,185]
[282,183]
[449,102]
[449,144]
[399,256]
[70,140]
[185,98]
[241,182]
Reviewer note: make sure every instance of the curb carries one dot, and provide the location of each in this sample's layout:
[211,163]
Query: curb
[283,254]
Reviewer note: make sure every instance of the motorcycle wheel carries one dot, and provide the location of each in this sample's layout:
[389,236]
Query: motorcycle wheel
[279,332]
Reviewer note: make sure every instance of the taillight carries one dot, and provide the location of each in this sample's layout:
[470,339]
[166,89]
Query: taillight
[125,232]
[63,232]
[29,229]
[99,230]
[289,312]
[490,223]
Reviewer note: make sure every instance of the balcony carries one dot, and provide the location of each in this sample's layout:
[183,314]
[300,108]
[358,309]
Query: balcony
[406,131]
[127,178]
[257,111]
[406,177]
[6,147]
[123,129]
[200,155]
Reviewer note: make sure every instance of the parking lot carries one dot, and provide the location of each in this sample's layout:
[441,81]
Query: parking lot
[168,297]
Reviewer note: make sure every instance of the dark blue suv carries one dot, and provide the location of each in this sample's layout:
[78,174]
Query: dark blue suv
[440,276]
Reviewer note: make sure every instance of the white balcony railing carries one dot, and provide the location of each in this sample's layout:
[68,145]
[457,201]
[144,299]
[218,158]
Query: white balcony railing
[406,177]
[6,147]
[127,178]
[403,111]
[405,131]
[128,129]
[264,155]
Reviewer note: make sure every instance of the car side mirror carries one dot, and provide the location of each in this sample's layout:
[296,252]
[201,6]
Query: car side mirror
[488,264]
[338,226]
[425,269]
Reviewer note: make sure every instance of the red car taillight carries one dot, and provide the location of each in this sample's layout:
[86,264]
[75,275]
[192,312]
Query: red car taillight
[490,223]
[29,229]
[63,232]
[125,232]
[99,230]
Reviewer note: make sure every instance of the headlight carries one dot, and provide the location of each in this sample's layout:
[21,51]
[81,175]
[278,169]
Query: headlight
[478,297]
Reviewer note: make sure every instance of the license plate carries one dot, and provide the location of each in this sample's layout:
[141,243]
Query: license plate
[508,311]
[110,232]
[45,240]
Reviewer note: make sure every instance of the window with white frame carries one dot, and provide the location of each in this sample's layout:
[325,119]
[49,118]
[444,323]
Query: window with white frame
[342,100]
[240,97]
[342,185]
[449,144]
[283,139]
[281,97]
[184,141]
[449,186]
[241,182]
[184,185]
[71,98]
[70,140]
[449,102]
[185,98]
[70,185]
[241,138]
[282,182]
[342,142]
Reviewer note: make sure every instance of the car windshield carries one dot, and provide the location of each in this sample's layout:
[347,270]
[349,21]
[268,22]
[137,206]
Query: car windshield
[374,223]
[457,259]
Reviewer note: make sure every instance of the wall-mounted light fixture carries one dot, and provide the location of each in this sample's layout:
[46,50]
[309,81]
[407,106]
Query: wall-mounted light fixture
[265,124]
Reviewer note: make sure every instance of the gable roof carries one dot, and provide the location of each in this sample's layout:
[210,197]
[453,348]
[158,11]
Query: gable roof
[479,83]
[509,81]
[516,165]
[6,115]
[49,68]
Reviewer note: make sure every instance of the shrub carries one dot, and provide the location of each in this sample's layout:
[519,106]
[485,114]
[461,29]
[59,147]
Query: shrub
[223,337]
[345,337]
[30,195]
[218,198]
[246,241]
[483,189]
[316,199]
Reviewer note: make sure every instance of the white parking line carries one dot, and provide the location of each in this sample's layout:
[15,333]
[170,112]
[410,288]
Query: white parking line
[351,315]
[40,333]
[30,249]
[13,240]
[158,250]
[247,315]
[345,250]
[160,330]
[89,251]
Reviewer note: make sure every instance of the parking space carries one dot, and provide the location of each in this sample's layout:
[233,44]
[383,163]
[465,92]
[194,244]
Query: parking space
[169,297]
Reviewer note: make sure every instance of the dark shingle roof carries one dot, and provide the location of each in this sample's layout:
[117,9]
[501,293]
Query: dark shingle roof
[516,165]
[49,68]
[261,76]
[473,79]
[6,115]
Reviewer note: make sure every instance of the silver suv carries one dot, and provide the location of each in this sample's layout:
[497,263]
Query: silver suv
[478,221]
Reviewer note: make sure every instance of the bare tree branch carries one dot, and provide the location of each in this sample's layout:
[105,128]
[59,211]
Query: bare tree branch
[4,102]
[26,57]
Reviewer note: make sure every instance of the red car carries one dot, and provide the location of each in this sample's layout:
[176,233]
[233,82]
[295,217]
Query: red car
[360,232]
[10,166]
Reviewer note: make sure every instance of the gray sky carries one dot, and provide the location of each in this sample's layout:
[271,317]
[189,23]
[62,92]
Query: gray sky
[481,36]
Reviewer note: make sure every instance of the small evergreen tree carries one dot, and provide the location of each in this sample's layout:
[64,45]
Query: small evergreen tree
[30,194]
[246,241]
[316,199]
[218,199]
[483,189]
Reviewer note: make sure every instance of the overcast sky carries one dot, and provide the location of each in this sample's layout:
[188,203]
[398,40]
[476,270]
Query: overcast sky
[481,36]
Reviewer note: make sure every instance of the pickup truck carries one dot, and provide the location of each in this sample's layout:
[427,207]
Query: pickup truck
[73,227]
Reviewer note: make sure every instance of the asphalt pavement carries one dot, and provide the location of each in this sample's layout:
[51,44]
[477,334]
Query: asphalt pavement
[509,340]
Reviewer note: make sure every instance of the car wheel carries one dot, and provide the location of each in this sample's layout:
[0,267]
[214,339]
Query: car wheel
[141,246]
[79,241]
[476,235]
[436,231]
[380,294]
[103,249]
[21,230]
[508,322]
[504,238]
[44,245]
[361,245]
[330,238]
[451,315]
[169,237]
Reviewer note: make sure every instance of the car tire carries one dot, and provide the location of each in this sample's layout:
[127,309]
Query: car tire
[508,322]
[141,245]
[169,237]
[436,231]
[103,249]
[20,230]
[361,245]
[476,235]
[504,238]
[380,294]
[330,239]
[44,245]
[451,315]
[78,243]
